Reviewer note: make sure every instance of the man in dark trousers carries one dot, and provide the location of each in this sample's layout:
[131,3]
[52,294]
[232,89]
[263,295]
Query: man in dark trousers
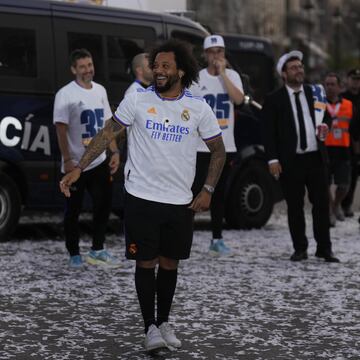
[297,157]
[338,144]
[352,93]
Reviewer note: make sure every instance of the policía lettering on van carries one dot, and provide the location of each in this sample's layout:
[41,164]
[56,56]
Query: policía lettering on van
[22,135]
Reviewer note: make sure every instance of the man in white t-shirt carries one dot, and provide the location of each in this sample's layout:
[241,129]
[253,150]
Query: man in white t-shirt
[166,121]
[80,110]
[221,88]
[143,73]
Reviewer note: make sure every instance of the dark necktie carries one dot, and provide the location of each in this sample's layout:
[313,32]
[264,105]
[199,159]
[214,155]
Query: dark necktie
[300,115]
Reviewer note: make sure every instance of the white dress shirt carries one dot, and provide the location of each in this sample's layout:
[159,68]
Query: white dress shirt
[309,125]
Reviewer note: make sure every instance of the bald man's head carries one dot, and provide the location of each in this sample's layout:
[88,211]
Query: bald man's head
[140,68]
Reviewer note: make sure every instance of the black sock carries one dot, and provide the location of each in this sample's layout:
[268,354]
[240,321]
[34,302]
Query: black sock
[165,289]
[145,288]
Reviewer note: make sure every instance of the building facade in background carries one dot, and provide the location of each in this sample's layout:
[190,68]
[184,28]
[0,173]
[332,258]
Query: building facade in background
[327,31]
[149,5]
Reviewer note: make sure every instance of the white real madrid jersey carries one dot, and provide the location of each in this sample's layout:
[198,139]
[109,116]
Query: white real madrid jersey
[136,85]
[213,90]
[162,143]
[85,112]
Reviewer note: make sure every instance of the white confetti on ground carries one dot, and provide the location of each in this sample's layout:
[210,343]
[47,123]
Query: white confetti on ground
[254,305]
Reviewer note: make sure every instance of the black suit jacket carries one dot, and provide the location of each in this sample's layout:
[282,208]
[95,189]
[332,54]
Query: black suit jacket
[280,129]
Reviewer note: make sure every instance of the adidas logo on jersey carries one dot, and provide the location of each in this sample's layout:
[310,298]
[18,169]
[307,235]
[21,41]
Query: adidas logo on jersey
[152,110]
[204,88]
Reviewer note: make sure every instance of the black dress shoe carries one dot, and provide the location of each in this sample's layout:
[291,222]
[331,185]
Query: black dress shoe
[320,254]
[329,257]
[348,212]
[298,256]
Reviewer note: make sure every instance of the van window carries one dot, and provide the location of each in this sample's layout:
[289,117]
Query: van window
[120,54]
[91,42]
[112,45]
[17,52]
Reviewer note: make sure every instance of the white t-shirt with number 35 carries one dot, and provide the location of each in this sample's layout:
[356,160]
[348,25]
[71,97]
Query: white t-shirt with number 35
[213,90]
[85,112]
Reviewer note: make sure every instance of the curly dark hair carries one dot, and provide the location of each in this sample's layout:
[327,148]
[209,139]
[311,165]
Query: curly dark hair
[79,54]
[184,59]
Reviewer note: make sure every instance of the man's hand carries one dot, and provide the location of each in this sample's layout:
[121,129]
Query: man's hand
[114,163]
[275,169]
[68,180]
[201,202]
[69,166]
[322,130]
[220,65]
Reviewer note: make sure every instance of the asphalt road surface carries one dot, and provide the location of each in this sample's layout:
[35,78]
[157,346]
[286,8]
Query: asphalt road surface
[253,305]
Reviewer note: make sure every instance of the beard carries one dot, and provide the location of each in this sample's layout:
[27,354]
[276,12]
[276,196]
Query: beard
[296,80]
[87,78]
[148,77]
[168,85]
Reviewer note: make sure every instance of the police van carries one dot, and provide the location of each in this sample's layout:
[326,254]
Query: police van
[36,38]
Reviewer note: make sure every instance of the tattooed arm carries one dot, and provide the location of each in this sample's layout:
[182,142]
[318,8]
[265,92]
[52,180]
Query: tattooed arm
[117,147]
[100,142]
[97,145]
[114,157]
[217,161]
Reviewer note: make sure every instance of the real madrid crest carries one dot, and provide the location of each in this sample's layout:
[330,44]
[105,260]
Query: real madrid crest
[132,249]
[185,115]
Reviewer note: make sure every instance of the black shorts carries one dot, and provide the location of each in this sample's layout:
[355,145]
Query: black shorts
[340,172]
[155,229]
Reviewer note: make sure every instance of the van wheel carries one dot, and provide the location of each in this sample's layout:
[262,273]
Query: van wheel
[250,201]
[10,206]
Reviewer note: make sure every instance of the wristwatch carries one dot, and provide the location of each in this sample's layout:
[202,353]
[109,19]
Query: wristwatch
[208,188]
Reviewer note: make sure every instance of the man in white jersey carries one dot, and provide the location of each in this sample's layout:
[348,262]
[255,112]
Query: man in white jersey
[143,78]
[221,88]
[141,70]
[80,109]
[166,122]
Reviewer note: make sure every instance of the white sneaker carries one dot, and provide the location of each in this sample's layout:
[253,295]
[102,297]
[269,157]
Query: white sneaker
[153,339]
[169,336]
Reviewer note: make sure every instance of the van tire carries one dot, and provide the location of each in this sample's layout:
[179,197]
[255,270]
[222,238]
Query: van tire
[250,199]
[10,206]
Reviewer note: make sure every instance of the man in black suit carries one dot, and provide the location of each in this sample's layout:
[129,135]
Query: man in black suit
[297,157]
